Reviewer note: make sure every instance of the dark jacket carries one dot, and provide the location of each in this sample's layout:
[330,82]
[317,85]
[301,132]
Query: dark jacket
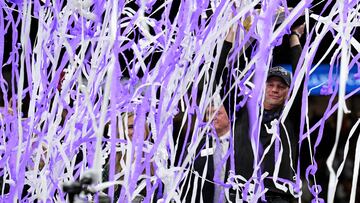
[244,157]
[205,186]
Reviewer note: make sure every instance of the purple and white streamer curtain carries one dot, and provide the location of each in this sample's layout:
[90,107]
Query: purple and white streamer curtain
[69,61]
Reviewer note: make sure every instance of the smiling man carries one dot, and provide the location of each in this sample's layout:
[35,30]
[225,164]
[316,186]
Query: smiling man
[277,154]
[277,88]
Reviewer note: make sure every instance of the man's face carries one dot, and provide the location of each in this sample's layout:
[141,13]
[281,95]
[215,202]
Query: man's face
[275,93]
[130,126]
[221,120]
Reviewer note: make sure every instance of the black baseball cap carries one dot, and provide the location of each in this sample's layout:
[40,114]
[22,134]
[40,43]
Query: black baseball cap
[281,72]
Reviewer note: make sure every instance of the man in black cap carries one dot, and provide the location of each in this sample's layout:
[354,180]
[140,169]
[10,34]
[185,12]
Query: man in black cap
[277,89]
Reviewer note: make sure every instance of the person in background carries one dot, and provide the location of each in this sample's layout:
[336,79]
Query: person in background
[211,159]
[121,164]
